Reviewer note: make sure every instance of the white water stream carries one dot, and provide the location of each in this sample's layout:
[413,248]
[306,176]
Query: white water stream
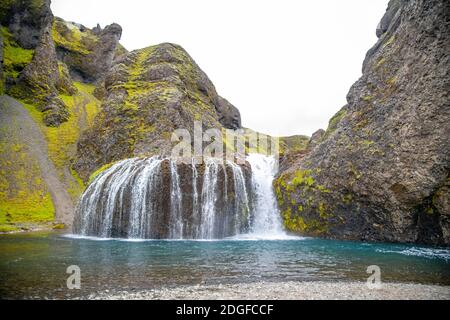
[127,201]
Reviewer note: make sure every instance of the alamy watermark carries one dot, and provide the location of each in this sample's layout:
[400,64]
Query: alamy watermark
[224,145]
[374,280]
[74,280]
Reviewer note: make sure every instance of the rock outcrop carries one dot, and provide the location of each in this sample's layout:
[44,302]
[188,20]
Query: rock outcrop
[42,80]
[87,53]
[62,71]
[22,24]
[381,170]
[150,93]
[229,115]
[33,73]
[43,55]
[26,19]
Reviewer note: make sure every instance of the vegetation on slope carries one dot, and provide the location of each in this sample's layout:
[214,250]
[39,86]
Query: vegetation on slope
[24,198]
[83,107]
[15,58]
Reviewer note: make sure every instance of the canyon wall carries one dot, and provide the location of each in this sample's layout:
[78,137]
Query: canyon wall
[381,169]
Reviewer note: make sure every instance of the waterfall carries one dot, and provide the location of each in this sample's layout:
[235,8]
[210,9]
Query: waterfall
[209,199]
[176,221]
[241,205]
[142,202]
[156,198]
[195,202]
[266,220]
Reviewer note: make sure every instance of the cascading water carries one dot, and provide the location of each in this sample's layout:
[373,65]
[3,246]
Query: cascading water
[241,204]
[176,221]
[266,222]
[209,199]
[195,201]
[154,198]
[142,205]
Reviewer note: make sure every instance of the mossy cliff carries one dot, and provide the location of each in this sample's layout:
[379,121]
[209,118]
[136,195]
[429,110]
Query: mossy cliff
[381,169]
[87,53]
[92,103]
[288,147]
[42,80]
[25,200]
[25,19]
[24,197]
[30,67]
[62,108]
[42,55]
[149,93]
[62,140]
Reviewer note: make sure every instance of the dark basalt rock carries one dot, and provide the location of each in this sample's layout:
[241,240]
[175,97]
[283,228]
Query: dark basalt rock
[316,138]
[381,170]
[225,200]
[87,53]
[104,52]
[55,112]
[391,11]
[43,79]
[229,115]
[26,19]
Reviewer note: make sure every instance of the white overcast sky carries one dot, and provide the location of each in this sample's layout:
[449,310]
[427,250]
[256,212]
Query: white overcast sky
[286,64]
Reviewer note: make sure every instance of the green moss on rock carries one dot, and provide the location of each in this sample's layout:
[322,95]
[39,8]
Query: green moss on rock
[62,140]
[97,172]
[24,197]
[68,36]
[301,213]
[333,123]
[150,93]
[15,58]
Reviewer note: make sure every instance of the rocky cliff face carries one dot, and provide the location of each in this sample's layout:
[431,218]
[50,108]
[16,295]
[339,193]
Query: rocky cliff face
[22,26]
[61,71]
[42,80]
[26,19]
[87,53]
[150,93]
[43,55]
[381,170]
[40,132]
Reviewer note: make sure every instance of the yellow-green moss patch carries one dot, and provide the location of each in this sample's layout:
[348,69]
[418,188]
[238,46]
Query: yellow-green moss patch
[334,121]
[4,228]
[15,58]
[99,170]
[70,37]
[61,141]
[24,197]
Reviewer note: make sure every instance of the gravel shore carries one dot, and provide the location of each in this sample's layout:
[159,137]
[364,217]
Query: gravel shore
[314,290]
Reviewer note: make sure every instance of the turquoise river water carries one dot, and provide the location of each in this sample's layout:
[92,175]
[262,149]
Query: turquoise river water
[34,265]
